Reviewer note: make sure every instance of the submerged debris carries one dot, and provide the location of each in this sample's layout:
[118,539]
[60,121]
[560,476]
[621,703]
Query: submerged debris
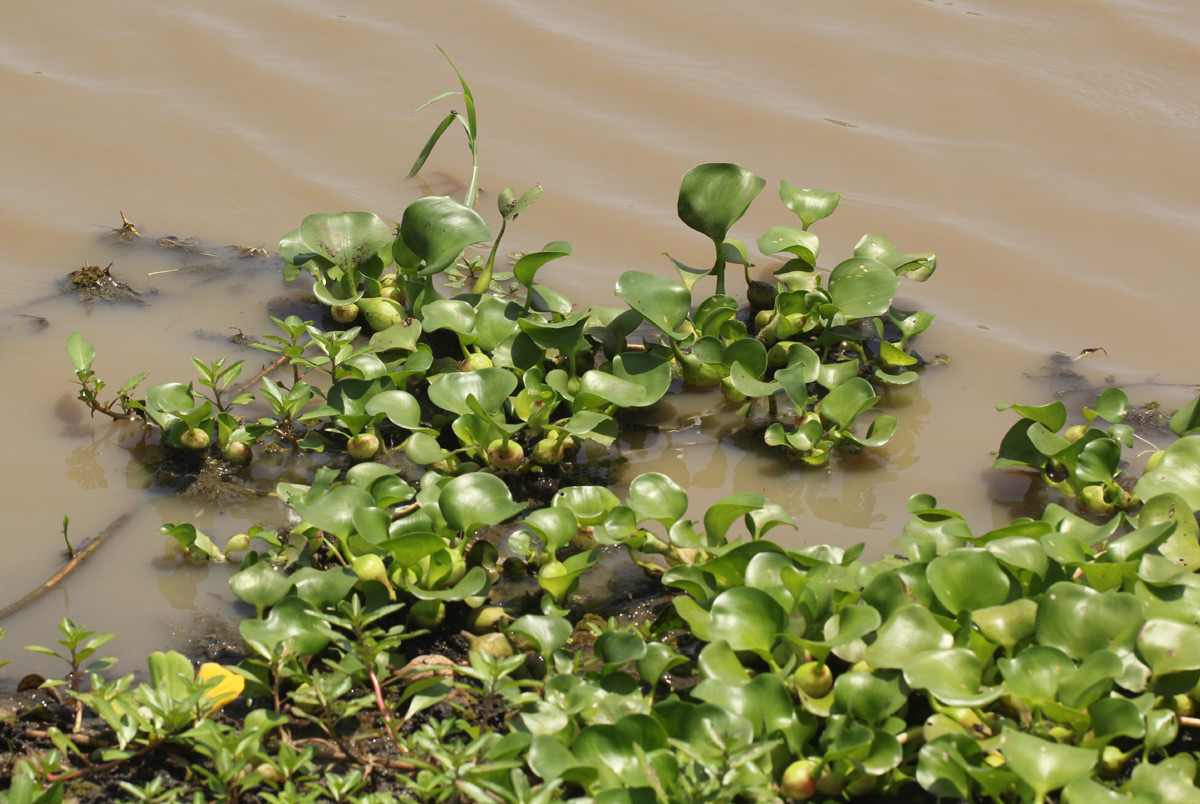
[93,283]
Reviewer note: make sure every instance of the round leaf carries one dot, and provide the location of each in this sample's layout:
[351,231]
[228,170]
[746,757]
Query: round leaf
[475,500]
[748,619]
[967,579]
[489,386]
[862,287]
[437,229]
[656,496]
[1079,620]
[663,302]
[714,196]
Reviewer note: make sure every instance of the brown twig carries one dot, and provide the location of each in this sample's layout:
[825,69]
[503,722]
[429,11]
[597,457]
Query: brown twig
[81,555]
[1190,722]
[238,390]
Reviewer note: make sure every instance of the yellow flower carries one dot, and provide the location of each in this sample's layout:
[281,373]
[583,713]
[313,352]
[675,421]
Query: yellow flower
[229,688]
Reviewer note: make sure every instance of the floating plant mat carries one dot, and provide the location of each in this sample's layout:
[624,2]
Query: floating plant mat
[403,632]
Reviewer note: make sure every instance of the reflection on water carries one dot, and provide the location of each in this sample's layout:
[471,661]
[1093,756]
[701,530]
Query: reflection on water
[1049,154]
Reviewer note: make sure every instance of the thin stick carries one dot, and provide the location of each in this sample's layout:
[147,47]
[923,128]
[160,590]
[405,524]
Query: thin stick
[80,556]
[267,369]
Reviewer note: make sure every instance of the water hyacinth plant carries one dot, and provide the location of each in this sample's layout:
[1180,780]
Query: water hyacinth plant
[426,627]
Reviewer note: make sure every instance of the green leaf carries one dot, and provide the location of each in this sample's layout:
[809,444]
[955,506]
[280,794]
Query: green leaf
[1177,472]
[1168,646]
[845,402]
[714,196]
[82,354]
[321,588]
[527,267]
[476,500]
[489,386]
[1112,405]
[662,302]
[590,504]
[655,496]
[437,229]
[862,287]
[917,267]
[404,335]
[1044,765]
[1052,416]
[333,511]
[452,314]
[546,632]
[906,633]
[260,585]
[810,205]
[292,624]
[400,407]
[952,676]
[1185,420]
[803,245]
[1080,620]
[556,526]
[869,697]
[1007,624]
[967,579]
[348,240]
[746,618]
[651,372]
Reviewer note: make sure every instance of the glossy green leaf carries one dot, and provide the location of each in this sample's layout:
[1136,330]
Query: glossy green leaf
[953,676]
[906,633]
[655,496]
[1007,624]
[437,229]
[917,267]
[546,632]
[714,196]
[1079,620]
[1171,781]
[475,500]
[967,579]
[615,648]
[1168,646]
[527,266]
[292,625]
[260,585]
[333,511]
[474,584]
[1042,764]
[845,402]
[489,386]
[869,697]
[422,448]
[348,239]
[662,302]
[400,407]
[650,372]
[321,588]
[748,619]
[556,526]
[590,504]
[452,314]
[1177,472]
[862,287]
[810,205]
[82,354]
[801,244]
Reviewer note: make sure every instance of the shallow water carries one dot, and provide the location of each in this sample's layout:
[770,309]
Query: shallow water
[1048,153]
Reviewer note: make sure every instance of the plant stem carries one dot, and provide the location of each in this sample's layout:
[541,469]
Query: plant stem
[484,282]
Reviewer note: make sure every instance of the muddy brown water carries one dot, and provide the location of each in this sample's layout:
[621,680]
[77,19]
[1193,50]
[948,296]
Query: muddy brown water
[1048,153]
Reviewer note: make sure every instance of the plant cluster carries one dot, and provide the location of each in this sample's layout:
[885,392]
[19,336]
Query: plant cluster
[1057,656]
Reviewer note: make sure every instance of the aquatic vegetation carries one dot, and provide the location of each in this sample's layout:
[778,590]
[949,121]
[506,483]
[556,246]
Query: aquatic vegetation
[421,635]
